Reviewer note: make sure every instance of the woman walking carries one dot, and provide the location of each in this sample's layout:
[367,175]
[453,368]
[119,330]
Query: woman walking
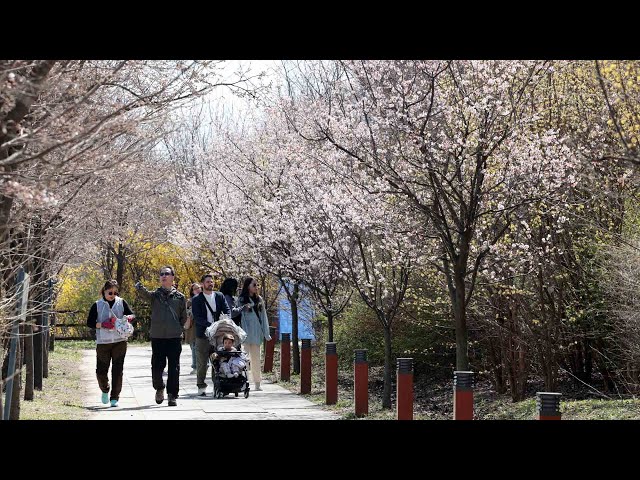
[254,322]
[111,346]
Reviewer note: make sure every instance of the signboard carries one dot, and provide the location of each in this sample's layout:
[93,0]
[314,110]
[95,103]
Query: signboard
[306,315]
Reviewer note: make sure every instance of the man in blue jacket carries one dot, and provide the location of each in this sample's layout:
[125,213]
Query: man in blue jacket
[206,309]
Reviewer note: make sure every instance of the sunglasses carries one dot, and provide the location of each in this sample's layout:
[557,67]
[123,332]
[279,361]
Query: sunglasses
[110,293]
[166,274]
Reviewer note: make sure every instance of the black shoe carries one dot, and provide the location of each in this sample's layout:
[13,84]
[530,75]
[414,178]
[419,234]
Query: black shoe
[172,401]
[160,396]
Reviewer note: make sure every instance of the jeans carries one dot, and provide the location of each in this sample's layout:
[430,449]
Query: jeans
[193,354]
[163,350]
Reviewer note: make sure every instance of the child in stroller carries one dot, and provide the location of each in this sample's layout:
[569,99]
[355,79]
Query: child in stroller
[229,365]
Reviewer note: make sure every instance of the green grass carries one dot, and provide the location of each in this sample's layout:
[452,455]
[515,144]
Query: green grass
[592,409]
[505,409]
[627,409]
[62,392]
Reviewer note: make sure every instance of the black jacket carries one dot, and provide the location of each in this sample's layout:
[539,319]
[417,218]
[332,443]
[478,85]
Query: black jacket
[199,311]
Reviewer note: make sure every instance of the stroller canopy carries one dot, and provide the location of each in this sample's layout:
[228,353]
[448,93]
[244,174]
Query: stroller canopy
[217,330]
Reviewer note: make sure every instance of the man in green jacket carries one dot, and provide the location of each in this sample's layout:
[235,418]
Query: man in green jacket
[168,318]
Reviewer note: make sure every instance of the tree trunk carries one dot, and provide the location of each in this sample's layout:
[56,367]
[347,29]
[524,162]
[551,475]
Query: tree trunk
[495,363]
[608,374]
[330,323]
[120,264]
[10,129]
[45,354]
[294,329]
[388,368]
[38,350]
[520,353]
[4,366]
[6,203]
[460,318]
[52,337]
[28,353]
[588,361]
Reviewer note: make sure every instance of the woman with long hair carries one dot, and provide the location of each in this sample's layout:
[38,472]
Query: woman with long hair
[229,288]
[255,323]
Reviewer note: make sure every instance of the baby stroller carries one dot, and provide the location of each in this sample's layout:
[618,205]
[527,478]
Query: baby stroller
[223,385]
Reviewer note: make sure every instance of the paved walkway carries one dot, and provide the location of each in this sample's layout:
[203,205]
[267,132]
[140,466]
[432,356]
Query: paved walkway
[137,397]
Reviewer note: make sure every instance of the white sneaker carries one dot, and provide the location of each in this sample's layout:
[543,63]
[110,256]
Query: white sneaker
[193,371]
[202,392]
[257,387]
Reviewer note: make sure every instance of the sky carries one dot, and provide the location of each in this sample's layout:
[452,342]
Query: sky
[231,102]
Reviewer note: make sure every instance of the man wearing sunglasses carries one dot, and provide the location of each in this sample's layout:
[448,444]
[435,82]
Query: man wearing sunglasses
[168,318]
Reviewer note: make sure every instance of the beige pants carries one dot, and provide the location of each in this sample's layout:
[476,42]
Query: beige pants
[256,364]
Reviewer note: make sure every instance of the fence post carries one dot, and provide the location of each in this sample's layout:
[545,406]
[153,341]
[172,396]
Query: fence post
[268,351]
[52,321]
[548,405]
[48,316]
[405,389]
[331,374]
[462,395]
[305,367]
[11,405]
[285,357]
[361,382]
[38,343]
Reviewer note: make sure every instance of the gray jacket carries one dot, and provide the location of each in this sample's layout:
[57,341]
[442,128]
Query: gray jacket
[168,311]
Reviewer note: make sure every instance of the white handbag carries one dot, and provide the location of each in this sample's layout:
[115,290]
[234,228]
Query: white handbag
[123,327]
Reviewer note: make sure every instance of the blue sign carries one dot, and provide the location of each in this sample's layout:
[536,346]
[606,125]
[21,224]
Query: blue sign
[306,314]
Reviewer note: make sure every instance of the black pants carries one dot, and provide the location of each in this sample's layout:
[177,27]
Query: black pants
[110,353]
[163,350]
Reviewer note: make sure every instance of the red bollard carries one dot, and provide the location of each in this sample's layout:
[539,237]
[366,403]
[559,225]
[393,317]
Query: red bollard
[268,351]
[285,357]
[405,389]
[361,383]
[331,374]
[462,395]
[548,405]
[305,367]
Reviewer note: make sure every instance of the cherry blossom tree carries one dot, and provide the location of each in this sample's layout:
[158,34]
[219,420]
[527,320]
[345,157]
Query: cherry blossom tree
[458,142]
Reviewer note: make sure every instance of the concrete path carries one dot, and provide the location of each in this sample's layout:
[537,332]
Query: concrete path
[137,399]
